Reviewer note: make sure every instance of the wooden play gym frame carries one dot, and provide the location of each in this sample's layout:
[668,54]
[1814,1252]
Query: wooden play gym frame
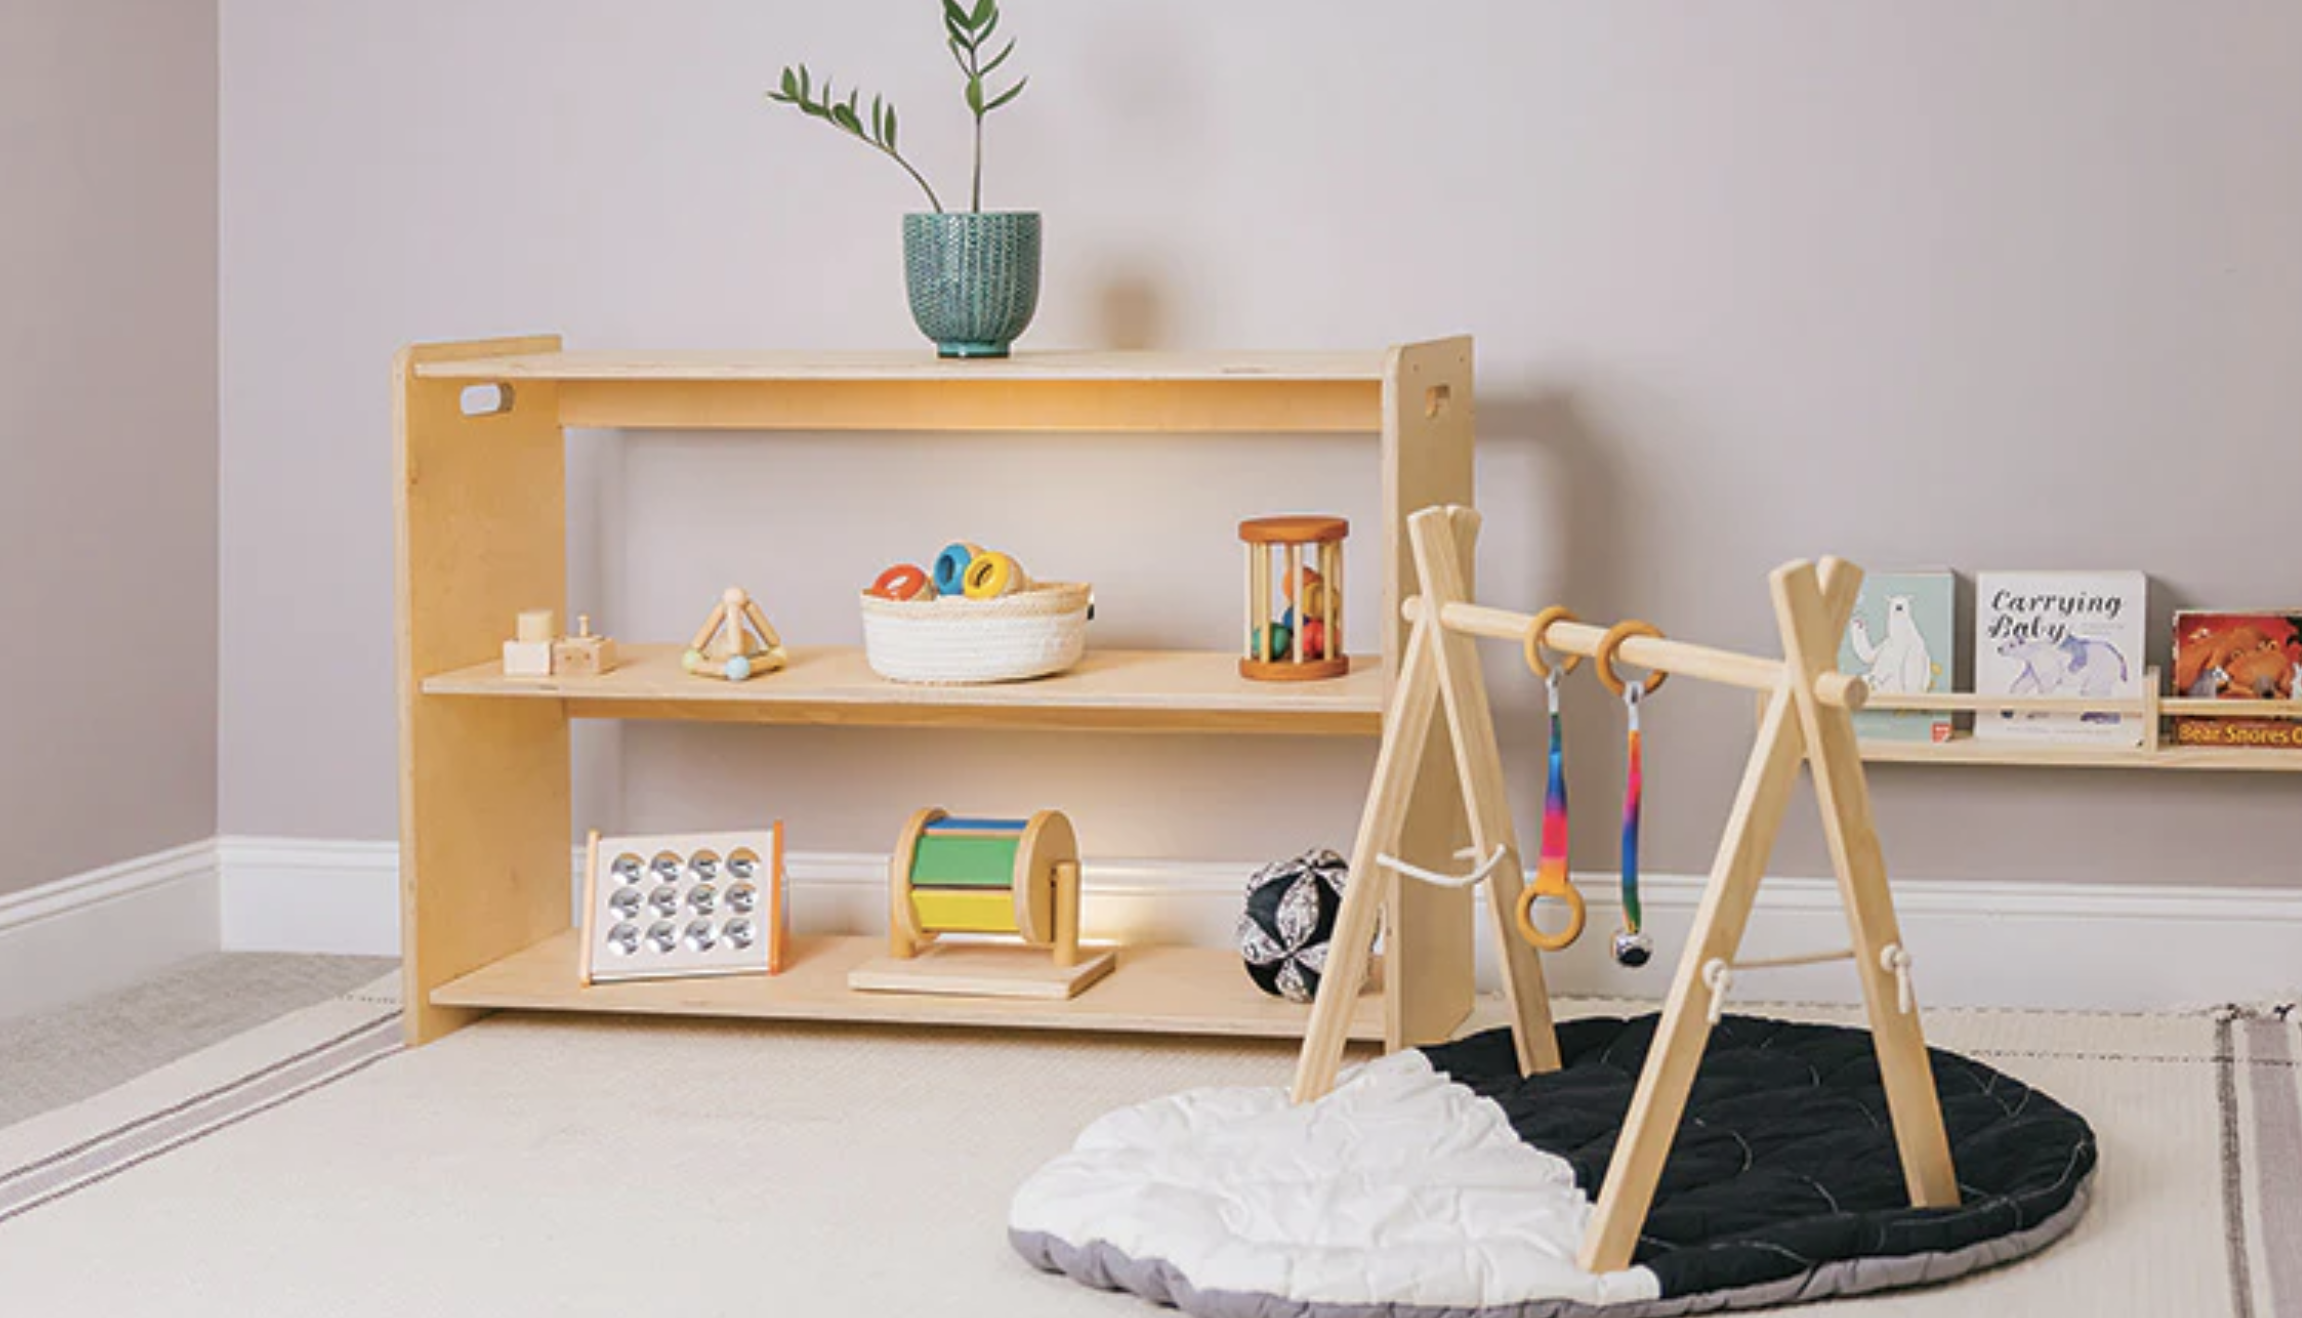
[1807,719]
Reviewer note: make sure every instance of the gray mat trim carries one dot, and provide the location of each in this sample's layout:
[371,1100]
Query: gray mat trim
[1105,1268]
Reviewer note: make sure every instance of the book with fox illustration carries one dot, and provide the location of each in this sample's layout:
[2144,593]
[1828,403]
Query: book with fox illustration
[1901,642]
[2238,657]
[2074,635]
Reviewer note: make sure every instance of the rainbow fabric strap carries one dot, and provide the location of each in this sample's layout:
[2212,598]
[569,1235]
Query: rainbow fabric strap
[1633,781]
[1551,864]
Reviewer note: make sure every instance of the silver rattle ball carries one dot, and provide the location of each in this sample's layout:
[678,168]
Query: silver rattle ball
[1633,948]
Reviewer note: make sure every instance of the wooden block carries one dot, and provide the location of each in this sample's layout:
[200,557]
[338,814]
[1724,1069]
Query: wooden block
[537,625]
[982,970]
[583,656]
[528,658]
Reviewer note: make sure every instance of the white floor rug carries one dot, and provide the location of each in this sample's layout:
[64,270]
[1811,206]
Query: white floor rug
[536,1166]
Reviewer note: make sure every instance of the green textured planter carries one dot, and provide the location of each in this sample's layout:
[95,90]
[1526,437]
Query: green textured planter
[973,278]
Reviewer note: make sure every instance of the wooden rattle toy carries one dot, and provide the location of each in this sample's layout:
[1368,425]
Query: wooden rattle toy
[984,876]
[684,904]
[1305,641]
[736,643]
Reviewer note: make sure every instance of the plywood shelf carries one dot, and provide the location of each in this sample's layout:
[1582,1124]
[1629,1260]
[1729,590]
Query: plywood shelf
[1964,749]
[1181,393]
[1154,990]
[1119,690]
[707,366]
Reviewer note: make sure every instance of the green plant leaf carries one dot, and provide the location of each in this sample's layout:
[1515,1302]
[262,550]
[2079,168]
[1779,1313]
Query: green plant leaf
[790,84]
[845,118]
[999,58]
[803,83]
[975,95]
[986,11]
[954,14]
[890,139]
[1008,95]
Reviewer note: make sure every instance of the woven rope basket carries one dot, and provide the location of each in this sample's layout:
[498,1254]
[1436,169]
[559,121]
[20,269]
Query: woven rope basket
[950,641]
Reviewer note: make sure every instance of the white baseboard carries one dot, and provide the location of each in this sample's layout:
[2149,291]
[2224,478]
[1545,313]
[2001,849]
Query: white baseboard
[2094,947]
[106,928]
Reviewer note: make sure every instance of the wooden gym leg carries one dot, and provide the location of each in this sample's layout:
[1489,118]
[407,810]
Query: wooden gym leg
[1406,732]
[1811,624]
[1067,913]
[1441,539]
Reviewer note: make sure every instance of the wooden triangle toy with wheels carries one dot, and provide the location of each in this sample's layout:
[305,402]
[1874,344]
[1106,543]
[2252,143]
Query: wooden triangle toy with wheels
[1807,720]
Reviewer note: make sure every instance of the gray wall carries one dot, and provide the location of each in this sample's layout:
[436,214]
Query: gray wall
[107,431]
[1972,284]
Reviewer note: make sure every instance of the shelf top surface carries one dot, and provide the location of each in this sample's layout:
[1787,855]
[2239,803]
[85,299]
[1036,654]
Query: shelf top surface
[689,366]
[1147,689]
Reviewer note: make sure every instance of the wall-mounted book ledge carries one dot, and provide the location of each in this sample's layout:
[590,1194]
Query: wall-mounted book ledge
[2161,746]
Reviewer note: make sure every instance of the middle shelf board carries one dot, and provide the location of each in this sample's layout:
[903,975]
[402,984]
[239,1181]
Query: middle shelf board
[1109,690]
[1154,990]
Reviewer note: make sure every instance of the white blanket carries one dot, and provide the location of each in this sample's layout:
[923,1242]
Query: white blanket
[1401,1187]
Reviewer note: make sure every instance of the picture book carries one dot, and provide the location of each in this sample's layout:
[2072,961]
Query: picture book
[2076,635]
[2238,657]
[1901,642]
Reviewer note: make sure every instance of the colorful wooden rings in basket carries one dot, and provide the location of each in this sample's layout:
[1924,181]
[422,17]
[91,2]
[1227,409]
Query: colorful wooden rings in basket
[985,876]
[960,570]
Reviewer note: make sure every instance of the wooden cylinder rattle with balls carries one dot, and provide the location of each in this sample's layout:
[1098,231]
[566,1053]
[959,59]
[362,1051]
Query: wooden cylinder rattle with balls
[985,876]
[1298,637]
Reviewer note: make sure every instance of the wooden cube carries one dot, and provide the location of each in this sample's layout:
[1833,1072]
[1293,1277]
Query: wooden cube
[537,625]
[527,658]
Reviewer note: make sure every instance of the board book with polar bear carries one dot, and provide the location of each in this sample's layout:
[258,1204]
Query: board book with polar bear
[2062,635]
[1902,641]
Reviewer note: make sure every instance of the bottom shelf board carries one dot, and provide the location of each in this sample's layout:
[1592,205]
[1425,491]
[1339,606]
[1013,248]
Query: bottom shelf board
[1153,990]
[1964,749]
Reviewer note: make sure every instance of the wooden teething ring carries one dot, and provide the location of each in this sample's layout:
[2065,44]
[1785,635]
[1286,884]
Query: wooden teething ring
[1534,642]
[1566,892]
[1604,656]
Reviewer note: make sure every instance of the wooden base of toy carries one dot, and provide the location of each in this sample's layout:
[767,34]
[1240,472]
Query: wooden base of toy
[1280,670]
[982,970]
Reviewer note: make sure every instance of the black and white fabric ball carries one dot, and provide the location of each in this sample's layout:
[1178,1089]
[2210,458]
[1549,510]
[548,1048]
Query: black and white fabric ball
[1290,920]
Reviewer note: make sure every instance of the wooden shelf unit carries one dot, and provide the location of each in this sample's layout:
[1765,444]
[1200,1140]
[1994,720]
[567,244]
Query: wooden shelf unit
[2159,751]
[485,796]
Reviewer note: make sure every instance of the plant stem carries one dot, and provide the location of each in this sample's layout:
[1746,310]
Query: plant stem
[976,201]
[932,199]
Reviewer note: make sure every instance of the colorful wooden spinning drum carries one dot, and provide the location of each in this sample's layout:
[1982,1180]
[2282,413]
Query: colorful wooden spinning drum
[985,876]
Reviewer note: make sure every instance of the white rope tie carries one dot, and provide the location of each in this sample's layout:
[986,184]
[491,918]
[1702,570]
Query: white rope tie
[1718,977]
[1895,960]
[1479,875]
[1718,973]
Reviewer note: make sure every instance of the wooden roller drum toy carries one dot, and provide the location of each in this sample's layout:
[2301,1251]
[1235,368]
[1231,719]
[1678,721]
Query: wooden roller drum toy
[1017,877]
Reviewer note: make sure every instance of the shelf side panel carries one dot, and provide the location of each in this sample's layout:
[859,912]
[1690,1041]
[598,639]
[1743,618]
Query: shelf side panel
[1429,429]
[1180,406]
[481,521]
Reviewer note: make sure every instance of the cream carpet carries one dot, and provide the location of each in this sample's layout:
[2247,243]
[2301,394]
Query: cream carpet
[586,1167]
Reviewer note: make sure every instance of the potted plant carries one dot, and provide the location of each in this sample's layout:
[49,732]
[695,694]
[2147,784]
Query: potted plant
[973,275]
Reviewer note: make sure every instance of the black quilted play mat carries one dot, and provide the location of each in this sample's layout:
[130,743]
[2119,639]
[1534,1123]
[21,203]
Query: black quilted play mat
[1440,1183]
[1785,1163]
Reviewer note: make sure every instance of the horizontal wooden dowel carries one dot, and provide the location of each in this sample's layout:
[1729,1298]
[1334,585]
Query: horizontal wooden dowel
[1696,661]
[2286,709]
[1945,701]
